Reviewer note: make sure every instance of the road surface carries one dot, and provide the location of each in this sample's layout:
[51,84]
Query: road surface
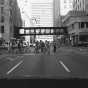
[66,63]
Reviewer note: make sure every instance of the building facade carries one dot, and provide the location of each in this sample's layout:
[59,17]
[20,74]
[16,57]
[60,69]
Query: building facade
[80,5]
[60,8]
[42,14]
[10,18]
[56,12]
[77,25]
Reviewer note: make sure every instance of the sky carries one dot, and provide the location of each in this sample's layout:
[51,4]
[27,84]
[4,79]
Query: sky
[25,6]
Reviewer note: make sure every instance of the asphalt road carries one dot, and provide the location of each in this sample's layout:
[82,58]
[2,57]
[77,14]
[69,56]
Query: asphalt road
[66,63]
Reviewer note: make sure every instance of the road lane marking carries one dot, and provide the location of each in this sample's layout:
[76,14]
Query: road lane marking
[14,67]
[64,66]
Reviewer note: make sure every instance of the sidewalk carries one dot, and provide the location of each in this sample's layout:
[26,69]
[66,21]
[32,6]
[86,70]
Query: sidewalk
[78,50]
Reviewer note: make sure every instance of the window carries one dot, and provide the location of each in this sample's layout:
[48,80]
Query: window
[2,19]
[2,29]
[79,25]
[2,10]
[82,25]
[86,24]
[72,26]
[78,7]
[2,2]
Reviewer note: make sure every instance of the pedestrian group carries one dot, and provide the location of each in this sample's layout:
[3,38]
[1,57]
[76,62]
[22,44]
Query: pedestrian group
[17,47]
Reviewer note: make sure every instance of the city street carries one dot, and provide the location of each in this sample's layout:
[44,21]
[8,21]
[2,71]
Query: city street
[66,63]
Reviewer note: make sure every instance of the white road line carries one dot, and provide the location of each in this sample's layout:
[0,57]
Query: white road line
[65,67]
[14,67]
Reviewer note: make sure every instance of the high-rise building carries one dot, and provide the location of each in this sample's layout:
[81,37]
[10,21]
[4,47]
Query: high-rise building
[56,12]
[80,5]
[10,17]
[66,6]
[76,22]
[42,14]
[61,8]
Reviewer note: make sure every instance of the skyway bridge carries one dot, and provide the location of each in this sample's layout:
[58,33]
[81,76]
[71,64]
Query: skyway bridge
[22,31]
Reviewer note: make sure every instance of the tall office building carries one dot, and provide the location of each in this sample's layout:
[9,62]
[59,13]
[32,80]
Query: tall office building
[10,17]
[66,6]
[80,5]
[61,8]
[56,12]
[42,14]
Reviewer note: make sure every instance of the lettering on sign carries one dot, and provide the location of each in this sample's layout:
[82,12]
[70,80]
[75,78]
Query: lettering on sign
[47,30]
[37,31]
[52,31]
[32,31]
[42,31]
[27,31]
[21,31]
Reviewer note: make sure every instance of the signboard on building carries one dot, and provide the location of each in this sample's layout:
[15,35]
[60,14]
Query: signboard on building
[21,31]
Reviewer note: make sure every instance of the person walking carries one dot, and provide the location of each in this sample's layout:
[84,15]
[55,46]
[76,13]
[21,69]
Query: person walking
[19,46]
[54,47]
[47,47]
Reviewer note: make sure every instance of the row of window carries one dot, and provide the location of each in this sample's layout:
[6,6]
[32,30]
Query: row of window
[81,25]
[2,15]
[2,18]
